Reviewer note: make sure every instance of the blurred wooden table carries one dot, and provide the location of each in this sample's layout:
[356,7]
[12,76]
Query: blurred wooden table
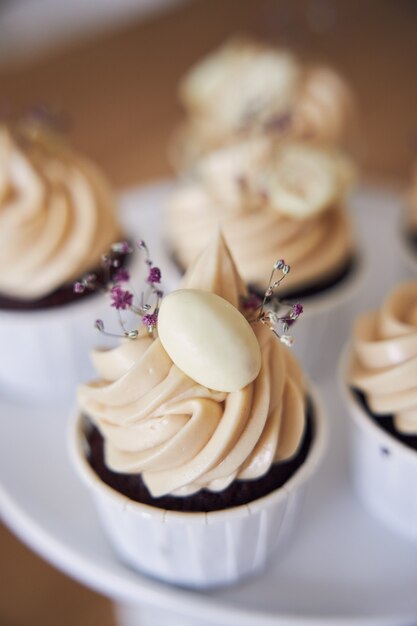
[119,93]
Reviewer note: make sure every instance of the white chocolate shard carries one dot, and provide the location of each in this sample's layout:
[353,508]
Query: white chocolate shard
[305,180]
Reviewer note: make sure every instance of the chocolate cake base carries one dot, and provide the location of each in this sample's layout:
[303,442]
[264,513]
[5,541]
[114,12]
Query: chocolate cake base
[385,422]
[238,493]
[59,297]
[307,291]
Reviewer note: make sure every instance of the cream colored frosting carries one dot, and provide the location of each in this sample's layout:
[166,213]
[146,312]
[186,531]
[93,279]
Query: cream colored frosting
[271,200]
[384,360]
[244,88]
[57,214]
[324,106]
[182,436]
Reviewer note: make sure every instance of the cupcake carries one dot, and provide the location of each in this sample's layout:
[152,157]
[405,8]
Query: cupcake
[379,386]
[57,219]
[247,89]
[200,434]
[274,198]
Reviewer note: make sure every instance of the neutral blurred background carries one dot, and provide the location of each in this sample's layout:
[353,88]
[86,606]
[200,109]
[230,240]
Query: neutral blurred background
[110,68]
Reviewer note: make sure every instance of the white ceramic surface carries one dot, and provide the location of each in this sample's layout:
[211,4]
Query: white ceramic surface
[384,470]
[199,550]
[344,569]
[42,353]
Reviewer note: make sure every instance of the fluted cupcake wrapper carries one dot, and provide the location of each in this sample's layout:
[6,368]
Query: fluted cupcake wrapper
[199,549]
[383,469]
[44,353]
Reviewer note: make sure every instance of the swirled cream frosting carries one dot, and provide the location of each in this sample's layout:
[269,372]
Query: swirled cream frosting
[384,359]
[179,435]
[245,88]
[271,200]
[57,214]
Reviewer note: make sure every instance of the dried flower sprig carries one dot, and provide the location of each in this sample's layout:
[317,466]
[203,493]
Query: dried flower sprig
[123,298]
[270,316]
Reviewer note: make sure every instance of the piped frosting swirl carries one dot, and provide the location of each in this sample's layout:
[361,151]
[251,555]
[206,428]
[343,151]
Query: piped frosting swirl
[179,435]
[270,199]
[384,359]
[57,214]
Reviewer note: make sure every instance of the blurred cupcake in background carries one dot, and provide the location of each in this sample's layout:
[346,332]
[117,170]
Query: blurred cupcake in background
[275,198]
[270,198]
[57,219]
[247,89]
[378,379]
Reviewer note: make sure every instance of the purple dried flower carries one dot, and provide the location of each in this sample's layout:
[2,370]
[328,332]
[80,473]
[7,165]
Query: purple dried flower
[279,123]
[79,287]
[121,276]
[297,309]
[154,275]
[242,182]
[150,319]
[121,298]
[99,324]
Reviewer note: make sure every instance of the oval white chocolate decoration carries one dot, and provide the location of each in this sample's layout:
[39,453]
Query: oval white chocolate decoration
[209,339]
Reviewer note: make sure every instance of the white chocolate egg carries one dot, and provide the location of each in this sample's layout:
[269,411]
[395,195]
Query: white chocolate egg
[209,339]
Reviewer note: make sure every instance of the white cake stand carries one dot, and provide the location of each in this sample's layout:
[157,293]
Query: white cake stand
[343,568]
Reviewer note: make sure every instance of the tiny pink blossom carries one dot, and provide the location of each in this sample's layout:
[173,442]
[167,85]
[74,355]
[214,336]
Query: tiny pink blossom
[154,275]
[150,319]
[121,298]
[297,309]
[99,324]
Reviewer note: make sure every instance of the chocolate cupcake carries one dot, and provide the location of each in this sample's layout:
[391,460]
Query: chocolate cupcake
[57,219]
[246,89]
[379,385]
[200,433]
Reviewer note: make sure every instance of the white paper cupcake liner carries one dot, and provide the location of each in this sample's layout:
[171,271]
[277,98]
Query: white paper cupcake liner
[383,469]
[324,326]
[44,354]
[199,549]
